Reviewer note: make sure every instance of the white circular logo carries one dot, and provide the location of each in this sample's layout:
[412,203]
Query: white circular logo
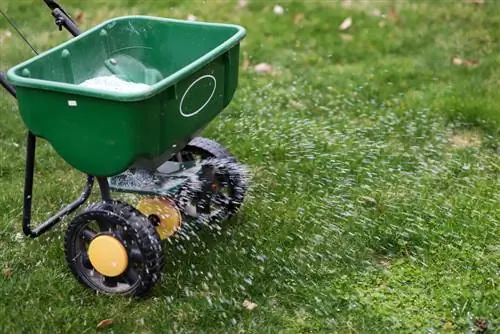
[192,113]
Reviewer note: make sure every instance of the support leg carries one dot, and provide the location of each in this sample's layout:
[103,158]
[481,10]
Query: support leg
[104,187]
[28,195]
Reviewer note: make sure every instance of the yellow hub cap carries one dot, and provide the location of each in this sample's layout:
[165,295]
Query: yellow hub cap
[165,212]
[108,256]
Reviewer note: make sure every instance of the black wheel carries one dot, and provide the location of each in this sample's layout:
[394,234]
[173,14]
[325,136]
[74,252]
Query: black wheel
[218,190]
[200,148]
[113,249]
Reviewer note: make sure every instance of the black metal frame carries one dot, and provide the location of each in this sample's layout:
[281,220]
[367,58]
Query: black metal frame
[62,19]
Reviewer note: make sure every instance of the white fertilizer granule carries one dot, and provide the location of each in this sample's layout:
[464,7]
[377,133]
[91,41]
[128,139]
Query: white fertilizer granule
[114,84]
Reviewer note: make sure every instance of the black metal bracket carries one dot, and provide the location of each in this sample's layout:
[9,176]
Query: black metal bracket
[62,20]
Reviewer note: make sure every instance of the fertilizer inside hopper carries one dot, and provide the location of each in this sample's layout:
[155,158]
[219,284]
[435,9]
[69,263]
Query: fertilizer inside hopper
[114,84]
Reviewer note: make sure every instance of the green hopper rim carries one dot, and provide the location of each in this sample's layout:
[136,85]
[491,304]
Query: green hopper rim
[128,96]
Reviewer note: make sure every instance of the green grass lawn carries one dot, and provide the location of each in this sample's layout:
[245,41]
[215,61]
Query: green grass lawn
[375,194]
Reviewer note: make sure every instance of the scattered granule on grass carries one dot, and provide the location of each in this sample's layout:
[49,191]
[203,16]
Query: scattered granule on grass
[465,138]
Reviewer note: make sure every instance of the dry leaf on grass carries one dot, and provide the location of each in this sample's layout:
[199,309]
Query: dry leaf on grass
[299,17]
[278,10]
[7,272]
[347,3]
[104,323]
[4,34]
[464,62]
[246,62]
[385,262]
[79,17]
[263,68]
[447,326]
[346,24]
[393,15]
[242,3]
[481,325]
[465,139]
[346,37]
[376,12]
[476,2]
[249,305]
[296,104]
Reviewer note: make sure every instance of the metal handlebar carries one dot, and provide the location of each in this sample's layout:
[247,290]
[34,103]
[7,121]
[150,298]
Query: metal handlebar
[7,85]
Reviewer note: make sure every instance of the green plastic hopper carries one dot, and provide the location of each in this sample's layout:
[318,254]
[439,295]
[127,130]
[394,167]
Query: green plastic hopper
[191,69]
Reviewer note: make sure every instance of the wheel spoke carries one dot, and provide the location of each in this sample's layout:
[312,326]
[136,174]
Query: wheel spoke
[221,199]
[223,181]
[88,234]
[203,208]
[86,261]
[131,276]
[203,202]
[135,255]
[104,226]
[120,233]
[110,281]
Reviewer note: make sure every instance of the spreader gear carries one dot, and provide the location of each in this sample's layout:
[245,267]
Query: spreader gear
[163,213]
